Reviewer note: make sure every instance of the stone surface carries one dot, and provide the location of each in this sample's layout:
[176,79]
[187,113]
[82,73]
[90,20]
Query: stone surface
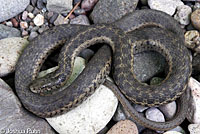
[169,110]
[194,103]
[178,129]
[167,6]
[32,35]
[194,128]
[8,32]
[183,14]
[38,20]
[9,23]
[89,117]
[119,114]
[195,19]
[31,15]
[107,11]
[59,6]
[154,114]
[87,5]
[140,108]
[192,39]
[81,20]
[60,20]
[29,8]
[24,15]
[11,8]
[124,127]
[148,64]
[14,119]
[23,24]
[10,50]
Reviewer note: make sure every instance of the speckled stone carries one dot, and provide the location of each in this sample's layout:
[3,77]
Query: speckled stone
[195,19]
[194,128]
[124,127]
[192,39]
[183,14]
[10,50]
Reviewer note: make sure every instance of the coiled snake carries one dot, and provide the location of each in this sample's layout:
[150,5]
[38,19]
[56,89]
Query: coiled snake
[143,30]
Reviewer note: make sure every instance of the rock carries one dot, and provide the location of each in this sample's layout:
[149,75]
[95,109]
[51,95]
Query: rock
[24,33]
[9,9]
[10,50]
[29,8]
[8,32]
[36,11]
[53,18]
[172,132]
[60,20]
[14,22]
[9,23]
[49,15]
[14,118]
[167,6]
[31,15]
[81,20]
[169,110]
[23,24]
[183,14]
[148,64]
[192,39]
[32,35]
[87,5]
[89,117]
[107,11]
[195,19]
[124,127]
[38,20]
[24,15]
[196,6]
[40,4]
[34,2]
[178,129]
[59,6]
[154,114]
[79,12]
[42,29]
[119,114]
[194,128]
[140,108]
[194,103]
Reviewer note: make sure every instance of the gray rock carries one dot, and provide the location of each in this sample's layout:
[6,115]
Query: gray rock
[34,2]
[154,114]
[9,23]
[40,4]
[81,20]
[53,18]
[29,8]
[60,20]
[183,14]
[11,8]
[79,12]
[169,110]
[148,64]
[15,118]
[8,32]
[59,6]
[119,114]
[36,11]
[32,35]
[87,5]
[107,11]
[42,29]
[167,6]
[140,108]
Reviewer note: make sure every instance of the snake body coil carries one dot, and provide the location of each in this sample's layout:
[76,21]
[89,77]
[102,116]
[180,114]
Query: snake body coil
[140,31]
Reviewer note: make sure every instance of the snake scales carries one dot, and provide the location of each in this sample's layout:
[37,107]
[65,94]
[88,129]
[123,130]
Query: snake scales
[143,30]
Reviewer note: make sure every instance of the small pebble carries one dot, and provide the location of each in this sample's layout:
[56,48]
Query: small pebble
[119,114]
[23,24]
[38,20]
[60,20]
[192,40]
[24,15]
[49,15]
[24,33]
[195,19]
[169,110]
[31,15]
[14,22]
[9,23]
[87,5]
[53,18]
[194,128]
[32,35]
[81,20]
[79,12]
[154,114]
[34,29]
[29,8]
[40,4]
[36,11]
[124,127]
[183,14]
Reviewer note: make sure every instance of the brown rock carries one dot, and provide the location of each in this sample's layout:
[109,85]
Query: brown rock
[124,127]
[195,19]
[14,22]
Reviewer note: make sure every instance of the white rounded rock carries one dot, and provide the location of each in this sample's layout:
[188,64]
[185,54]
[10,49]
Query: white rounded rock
[194,128]
[169,110]
[167,6]
[91,116]
[10,50]
[38,20]
[194,103]
[183,14]
[154,114]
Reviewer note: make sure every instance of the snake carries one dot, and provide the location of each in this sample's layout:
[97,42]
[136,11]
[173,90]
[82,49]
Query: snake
[136,32]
